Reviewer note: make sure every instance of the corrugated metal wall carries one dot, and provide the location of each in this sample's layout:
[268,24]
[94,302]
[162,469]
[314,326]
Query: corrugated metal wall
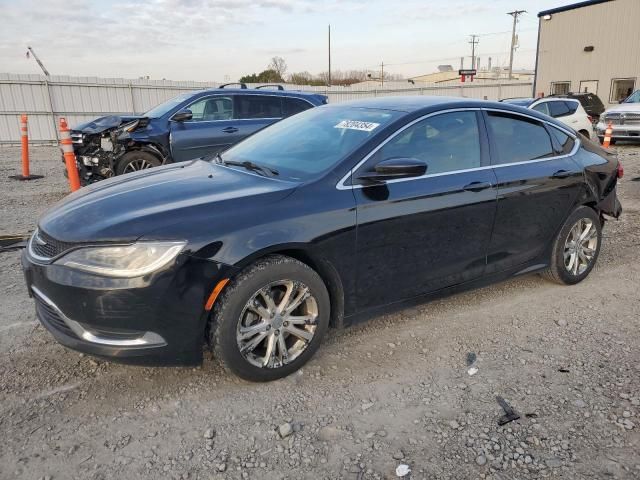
[611,28]
[79,99]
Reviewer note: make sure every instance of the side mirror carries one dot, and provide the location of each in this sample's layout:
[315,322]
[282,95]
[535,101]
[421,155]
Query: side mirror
[183,115]
[392,168]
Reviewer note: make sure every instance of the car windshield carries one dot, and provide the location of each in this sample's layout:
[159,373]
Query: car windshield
[309,143]
[160,110]
[633,98]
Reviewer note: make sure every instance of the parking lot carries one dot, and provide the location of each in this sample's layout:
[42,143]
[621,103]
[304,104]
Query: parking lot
[389,392]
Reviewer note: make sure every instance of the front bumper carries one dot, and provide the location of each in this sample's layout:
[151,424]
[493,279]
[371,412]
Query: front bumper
[155,320]
[619,132]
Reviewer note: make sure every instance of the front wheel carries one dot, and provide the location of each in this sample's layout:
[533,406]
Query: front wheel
[270,320]
[136,160]
[576,248]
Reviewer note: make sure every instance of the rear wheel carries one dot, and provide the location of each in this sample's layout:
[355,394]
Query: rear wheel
[270,320]
[576,248]
[136,160]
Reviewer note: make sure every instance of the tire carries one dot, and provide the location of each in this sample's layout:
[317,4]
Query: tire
[272,276]
[570,272]
[136,160]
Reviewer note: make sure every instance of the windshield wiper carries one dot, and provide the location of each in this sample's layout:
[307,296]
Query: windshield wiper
[254,167]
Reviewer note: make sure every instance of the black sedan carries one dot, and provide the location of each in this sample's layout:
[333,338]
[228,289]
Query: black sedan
[333,215]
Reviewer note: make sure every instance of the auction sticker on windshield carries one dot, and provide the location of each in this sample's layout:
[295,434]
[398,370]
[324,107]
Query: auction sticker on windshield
[357,125]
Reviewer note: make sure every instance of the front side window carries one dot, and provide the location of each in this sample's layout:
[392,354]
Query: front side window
[212,108]
[446,142]
[259,106]
[621,88]
[309,143]
[518,139]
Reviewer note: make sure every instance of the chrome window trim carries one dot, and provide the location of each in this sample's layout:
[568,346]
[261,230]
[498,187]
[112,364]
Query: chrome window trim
[239,119]
[149,339]
[341,184]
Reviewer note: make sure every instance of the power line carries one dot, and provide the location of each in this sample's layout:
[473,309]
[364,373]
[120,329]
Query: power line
[474,41]
[515,14]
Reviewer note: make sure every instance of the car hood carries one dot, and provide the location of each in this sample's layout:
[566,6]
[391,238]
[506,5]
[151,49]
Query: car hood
[151,202]
[624,107]
[101,124]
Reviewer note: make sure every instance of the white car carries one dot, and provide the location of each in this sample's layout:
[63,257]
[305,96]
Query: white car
[567,110]
[624,118]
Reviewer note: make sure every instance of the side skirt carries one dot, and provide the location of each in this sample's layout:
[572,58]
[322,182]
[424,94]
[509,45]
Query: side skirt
[484,281]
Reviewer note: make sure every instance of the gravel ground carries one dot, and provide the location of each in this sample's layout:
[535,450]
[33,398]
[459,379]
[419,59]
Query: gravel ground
[389,392]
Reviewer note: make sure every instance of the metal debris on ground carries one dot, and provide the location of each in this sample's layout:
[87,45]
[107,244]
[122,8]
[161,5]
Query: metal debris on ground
[402,470]
[510,414]
[471,363]
[12,242]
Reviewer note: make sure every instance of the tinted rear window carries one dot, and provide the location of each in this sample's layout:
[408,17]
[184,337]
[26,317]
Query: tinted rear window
[559,109]
[258,106]
[291,106]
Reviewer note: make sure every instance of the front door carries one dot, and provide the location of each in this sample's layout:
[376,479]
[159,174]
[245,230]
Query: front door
[418,235]
[538,182]
[211,130]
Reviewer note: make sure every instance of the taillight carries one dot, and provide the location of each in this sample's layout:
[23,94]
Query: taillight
[620,170]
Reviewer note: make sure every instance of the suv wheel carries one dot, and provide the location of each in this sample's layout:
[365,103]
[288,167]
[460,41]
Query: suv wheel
[136,160]
[270,320]
[576,248]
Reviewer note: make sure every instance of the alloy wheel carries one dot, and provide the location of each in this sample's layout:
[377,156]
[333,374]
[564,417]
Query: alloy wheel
[137,164]
[277,324]
[580,246]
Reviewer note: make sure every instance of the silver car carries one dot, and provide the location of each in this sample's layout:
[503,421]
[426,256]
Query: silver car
[624,119]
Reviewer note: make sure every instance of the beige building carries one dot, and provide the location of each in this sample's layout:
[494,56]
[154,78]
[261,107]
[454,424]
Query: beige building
[590,46]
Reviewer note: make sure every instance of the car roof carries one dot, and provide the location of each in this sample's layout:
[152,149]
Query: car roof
[422,104]
[261,91]
[413,103]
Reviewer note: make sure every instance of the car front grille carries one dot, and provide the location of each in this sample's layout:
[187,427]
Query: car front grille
[50,316]
[622,118]
[46,247]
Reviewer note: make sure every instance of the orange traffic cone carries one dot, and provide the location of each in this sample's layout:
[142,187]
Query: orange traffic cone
[607,135]
[69,156]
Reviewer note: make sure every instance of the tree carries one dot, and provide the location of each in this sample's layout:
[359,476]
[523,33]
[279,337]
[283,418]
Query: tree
[266,76]
[279,65]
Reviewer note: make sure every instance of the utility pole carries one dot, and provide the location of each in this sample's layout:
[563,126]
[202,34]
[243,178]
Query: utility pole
[474,41]
[382,73]
[329,82]
[31,52]
[515,14]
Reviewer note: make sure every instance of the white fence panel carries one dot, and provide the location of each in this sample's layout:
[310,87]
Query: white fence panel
[80,99]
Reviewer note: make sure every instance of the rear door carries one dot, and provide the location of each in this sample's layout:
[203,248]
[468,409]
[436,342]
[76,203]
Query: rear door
[538,183]
[211,130]
[254,112]
[418,235]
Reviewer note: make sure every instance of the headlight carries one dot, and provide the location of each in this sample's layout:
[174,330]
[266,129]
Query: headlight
[123,261]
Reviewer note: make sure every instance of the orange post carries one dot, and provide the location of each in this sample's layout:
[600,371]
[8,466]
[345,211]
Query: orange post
[24,140]
[24,134]
[607,135]
[69,155]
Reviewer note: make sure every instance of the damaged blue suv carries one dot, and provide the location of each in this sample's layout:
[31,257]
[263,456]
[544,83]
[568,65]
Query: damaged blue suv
[189,126]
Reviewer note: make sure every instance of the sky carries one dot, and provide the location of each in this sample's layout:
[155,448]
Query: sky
[221,40]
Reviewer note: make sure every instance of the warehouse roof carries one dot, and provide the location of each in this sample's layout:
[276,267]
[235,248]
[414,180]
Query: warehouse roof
[573,6]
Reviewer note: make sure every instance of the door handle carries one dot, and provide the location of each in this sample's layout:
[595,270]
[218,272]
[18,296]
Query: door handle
[561,174]
[230,130]
[477,186]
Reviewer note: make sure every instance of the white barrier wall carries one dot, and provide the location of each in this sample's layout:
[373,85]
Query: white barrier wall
[79,99]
